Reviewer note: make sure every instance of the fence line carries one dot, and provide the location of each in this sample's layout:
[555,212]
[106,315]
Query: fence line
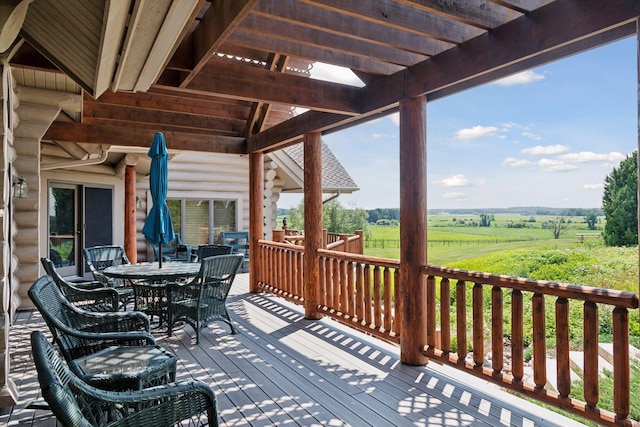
[391,243]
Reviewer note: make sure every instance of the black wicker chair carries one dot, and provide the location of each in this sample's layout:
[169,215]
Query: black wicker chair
[203,299]
[75,403]
[100,257]
[90,296]
[93,343]
[205,251]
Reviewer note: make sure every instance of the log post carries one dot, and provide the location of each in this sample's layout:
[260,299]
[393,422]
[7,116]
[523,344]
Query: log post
[312,222]
[130,244]
[256,215]
[413,229]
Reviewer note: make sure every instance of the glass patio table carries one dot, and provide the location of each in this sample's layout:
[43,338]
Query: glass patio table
[149,283]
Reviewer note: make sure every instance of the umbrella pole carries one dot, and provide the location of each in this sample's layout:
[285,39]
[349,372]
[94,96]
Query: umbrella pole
[160,255]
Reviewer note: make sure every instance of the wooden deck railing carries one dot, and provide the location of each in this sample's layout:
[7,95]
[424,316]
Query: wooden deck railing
[455,287]
[361,291]
[280,269]
[466,315]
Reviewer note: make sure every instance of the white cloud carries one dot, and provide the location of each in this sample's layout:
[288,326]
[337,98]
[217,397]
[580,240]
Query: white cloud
[589,156]
[549,165]
[454,196]
[476,132]
[515,163]
[546,150]
[333,73]
[454,181]
[523,78]
[395,118]
[532,136]
[383,135]
[599,186]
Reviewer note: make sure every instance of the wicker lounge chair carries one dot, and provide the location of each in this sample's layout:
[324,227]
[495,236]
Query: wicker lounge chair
[75,403]
[202,300]
[90,296]
[93,343]
[100,257]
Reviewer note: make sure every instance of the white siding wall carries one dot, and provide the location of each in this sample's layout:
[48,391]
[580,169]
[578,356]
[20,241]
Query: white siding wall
[198,175]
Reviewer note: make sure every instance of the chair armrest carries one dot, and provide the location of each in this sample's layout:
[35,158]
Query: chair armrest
[170,403]
[107,298]
[119,321]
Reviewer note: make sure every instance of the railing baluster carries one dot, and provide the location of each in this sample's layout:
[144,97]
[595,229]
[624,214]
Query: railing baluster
[387,299]
[328,273]
[344,288]
[431,311]
[322,285]
[621,362]
[377,303]
[497,332]
[360,298]
[368,302]
[517,336]
[562,347]
[445,315]
[478,324]
[461,320]
[335,277]
[539,342]
[351,284]
[397,319]
[591,394]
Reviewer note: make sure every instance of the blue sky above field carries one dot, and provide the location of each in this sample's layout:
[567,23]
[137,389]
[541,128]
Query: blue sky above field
[545,137]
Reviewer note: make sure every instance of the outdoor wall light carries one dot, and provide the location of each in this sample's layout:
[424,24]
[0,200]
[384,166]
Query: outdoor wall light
[20,188]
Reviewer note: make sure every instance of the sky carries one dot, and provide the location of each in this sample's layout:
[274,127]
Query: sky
[544,137]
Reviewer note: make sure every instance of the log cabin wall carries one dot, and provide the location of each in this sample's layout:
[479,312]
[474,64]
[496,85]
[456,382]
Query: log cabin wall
[35,110]
[8,393]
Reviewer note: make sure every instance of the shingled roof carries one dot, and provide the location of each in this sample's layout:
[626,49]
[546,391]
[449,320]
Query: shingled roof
[335,178]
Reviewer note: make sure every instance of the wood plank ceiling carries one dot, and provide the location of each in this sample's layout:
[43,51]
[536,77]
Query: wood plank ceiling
[236,69]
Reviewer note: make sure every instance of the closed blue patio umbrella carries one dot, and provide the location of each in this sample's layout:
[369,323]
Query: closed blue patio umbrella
[158,228]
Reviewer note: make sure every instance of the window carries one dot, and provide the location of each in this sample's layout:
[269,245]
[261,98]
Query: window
[200,221]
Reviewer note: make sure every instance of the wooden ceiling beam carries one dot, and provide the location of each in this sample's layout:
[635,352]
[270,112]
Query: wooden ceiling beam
[484,14]
[394,14]
[508,49]
[141,137]
[94,111]
[542,36]
[271,28]
[354,27]
[216,25]
[259,85]
[329,55]
[177,102]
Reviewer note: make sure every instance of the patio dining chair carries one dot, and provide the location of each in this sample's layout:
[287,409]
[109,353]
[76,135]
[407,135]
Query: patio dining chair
[100,257]
[90,296]
[75,403]
[205,251]
[97,346]
[203,299]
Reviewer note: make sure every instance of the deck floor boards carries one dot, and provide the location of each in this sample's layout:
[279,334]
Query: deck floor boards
[282,369]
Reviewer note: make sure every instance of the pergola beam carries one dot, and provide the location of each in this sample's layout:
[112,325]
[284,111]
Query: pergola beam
[562,27]
[216,25]
[142,137]
[232,80]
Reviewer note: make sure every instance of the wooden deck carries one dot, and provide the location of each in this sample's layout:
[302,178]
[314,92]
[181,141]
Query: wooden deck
[281,369]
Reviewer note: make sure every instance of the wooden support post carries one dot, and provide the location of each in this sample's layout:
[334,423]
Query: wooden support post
[413,229]
[256,216]
[130,241]
[312,222]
